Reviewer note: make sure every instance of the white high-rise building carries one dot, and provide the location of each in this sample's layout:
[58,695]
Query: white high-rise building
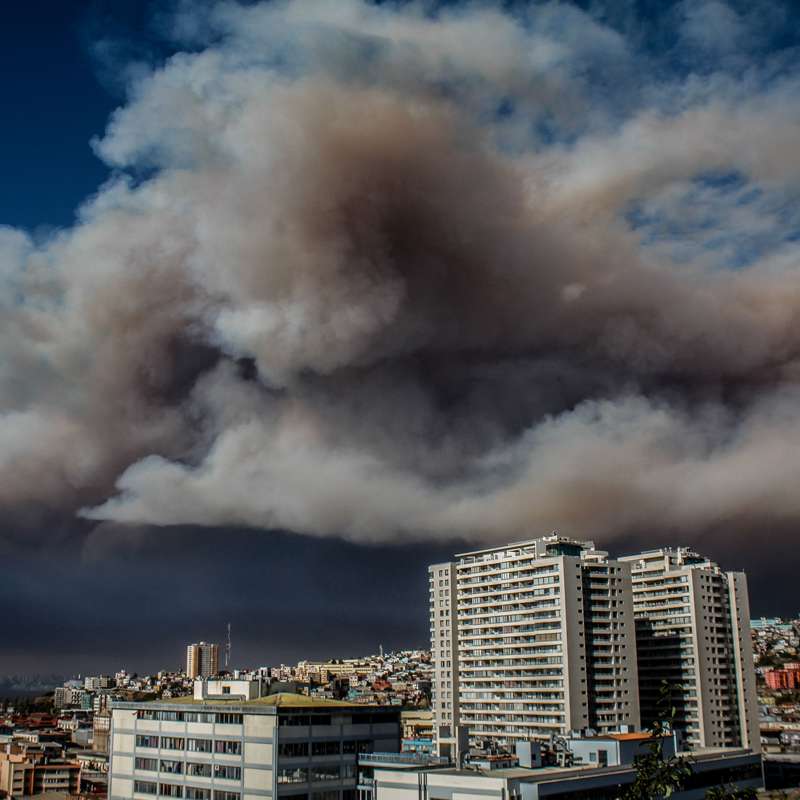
[693,631]
[202,660]
[529,640]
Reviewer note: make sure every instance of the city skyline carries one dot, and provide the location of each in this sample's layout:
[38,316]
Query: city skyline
[398,623]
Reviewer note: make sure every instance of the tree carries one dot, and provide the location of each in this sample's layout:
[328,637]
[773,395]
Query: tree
[659,777]
[729,792]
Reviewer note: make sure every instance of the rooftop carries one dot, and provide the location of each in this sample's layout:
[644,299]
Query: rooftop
[278,700]
[643,736]
[551,538]
[544,774]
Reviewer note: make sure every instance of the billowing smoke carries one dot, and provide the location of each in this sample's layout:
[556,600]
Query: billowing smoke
[376,272]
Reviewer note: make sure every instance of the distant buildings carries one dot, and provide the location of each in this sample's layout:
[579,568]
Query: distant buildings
[202,660]
[94,682]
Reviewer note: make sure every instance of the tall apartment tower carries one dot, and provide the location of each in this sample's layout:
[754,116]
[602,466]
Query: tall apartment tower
[530,640]
[202,660]
[693,630]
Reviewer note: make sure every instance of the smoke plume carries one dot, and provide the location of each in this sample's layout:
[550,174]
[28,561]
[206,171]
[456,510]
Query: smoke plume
[390,271]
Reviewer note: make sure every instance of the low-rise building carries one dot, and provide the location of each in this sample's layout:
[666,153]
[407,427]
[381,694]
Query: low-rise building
[384,780]
[212,748]
[787,678]
[27,770]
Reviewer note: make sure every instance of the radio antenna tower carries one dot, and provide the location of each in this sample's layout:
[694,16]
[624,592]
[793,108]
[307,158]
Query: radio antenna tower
[228,648]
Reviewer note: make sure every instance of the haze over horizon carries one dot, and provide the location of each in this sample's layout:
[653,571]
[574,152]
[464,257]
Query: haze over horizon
[355,286]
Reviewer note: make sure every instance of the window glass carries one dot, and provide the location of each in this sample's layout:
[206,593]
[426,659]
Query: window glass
[228,747]
[293,775]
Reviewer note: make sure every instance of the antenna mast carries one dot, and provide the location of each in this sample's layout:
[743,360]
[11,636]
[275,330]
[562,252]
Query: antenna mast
[228,648]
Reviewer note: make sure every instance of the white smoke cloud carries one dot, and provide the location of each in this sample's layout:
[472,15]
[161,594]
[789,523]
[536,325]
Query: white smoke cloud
[365,293]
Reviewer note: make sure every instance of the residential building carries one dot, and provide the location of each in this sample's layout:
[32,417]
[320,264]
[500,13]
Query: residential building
[202,660]
[530,640]
[693,631]
[787,678]
[62,697]
[229,748]
[26,770]
[94,682]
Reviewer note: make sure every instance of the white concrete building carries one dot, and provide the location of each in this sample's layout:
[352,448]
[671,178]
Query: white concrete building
[282,745]
[383,780]
[693,630]
[531,639]
[230,688]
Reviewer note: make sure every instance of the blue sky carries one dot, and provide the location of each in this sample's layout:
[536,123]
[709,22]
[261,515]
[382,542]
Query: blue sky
[53,104]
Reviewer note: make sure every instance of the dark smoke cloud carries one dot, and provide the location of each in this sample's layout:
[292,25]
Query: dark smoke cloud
[360,298]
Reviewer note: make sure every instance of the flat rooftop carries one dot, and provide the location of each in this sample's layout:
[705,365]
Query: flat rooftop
[285,700]
[543,774]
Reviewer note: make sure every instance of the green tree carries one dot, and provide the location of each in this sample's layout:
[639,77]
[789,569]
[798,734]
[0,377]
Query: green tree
[658,777]
[728,792]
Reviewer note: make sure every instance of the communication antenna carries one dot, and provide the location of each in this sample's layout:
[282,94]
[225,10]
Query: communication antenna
[228,648]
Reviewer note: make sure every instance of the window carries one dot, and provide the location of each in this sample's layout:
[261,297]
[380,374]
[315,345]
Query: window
[145,787]
[193,793]
[229,773]
[218,795]
[293,775]
[325,773]
[170,790]
[226,690]
[229,719]
[325,748]
[198,770]
[172,743]
[334,795]
[199,745]
[150,764]
[147,741]
[228,747]
[294,719]
[350,747]
[293,749]
[174,767]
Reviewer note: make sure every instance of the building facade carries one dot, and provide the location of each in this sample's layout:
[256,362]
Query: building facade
[28,771]
[693,631]
[281,745]
[531,640]
[202,660]
[787,678]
